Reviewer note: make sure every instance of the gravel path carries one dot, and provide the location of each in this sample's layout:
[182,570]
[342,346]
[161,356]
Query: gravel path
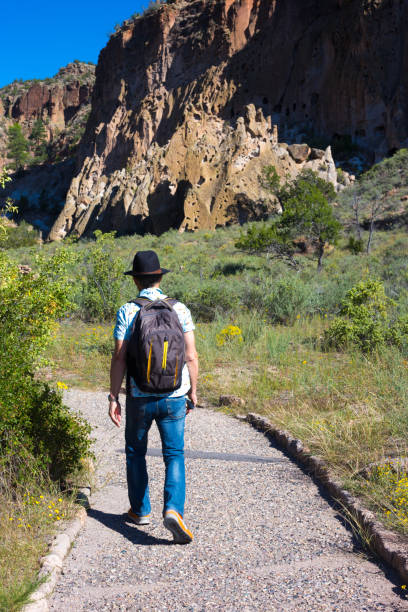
[265,538]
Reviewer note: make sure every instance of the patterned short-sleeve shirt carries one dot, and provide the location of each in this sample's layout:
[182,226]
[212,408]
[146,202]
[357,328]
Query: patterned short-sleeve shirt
[123,328]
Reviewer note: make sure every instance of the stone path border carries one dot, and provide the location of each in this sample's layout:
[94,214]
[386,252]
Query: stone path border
[51,563]
[389,546]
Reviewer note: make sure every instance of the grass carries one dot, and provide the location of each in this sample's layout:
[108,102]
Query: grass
[348,408]
[29,515]
[81,354]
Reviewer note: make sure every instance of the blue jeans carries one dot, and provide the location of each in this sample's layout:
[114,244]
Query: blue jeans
[170,415]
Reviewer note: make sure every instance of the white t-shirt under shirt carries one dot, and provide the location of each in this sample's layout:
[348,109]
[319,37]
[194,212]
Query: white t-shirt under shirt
[124,323]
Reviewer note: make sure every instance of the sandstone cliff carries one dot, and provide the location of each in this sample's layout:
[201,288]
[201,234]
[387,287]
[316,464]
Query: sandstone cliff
[62,102]
[171,140]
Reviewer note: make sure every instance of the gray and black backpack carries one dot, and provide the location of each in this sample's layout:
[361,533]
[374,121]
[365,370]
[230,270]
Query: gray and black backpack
[156,349]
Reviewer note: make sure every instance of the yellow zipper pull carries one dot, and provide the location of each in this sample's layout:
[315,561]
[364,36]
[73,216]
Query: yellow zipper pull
[165,348]
[175,375]
[149,363]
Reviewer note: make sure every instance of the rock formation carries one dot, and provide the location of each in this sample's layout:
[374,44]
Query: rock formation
[177,135]
[62,102]
[209,174]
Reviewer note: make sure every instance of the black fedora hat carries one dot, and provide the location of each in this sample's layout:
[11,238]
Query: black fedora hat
[146,263]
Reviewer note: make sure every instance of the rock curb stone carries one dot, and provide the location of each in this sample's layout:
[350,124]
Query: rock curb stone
[51,563]
[389,546]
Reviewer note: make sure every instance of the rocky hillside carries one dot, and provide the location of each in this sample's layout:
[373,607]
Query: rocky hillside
[63,104]
[171,140]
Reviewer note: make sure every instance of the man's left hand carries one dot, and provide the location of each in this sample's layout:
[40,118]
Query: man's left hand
[115,412]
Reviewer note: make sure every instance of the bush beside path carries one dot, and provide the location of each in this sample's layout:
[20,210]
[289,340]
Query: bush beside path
[265,538]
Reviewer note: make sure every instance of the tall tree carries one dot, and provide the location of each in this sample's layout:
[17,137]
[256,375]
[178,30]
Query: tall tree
[38,137]
[17,148]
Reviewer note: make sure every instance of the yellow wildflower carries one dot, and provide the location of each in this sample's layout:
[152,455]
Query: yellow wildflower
[228,333]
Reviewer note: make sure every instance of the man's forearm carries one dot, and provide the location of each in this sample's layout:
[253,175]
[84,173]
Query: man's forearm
[117,372]
[193,371]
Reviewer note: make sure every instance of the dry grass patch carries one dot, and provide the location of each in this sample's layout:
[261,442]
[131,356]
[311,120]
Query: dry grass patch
[347,408]
[28,517]
[81,353]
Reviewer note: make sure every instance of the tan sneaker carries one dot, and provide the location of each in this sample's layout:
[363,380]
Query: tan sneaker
[174,523]
[139,520]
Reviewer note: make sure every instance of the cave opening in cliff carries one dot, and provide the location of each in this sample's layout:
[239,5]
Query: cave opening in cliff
[166,206]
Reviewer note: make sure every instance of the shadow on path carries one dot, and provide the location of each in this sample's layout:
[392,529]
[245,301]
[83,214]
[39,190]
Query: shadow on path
[116,522]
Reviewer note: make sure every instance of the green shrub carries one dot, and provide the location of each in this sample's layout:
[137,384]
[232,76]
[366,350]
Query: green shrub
[341,177]
[355,245]
[21,236]
[36,420]
[395,268]
[398,334]
[32,415]
[290,298]
[211,299]
[331,290]
[255,294]
[153,6]
[365,320]
[103,280]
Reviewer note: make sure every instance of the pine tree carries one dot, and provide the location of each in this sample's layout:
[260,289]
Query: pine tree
[38,137]
[17,146]
[305,211]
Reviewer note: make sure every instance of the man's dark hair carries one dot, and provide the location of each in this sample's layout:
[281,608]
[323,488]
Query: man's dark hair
[148,280]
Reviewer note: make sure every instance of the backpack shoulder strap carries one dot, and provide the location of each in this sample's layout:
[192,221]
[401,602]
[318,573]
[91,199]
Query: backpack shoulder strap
[141,301]
[170,301]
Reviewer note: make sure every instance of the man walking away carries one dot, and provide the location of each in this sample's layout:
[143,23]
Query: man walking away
[154,342]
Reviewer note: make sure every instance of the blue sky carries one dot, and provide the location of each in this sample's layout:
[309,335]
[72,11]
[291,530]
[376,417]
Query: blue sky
[37,38]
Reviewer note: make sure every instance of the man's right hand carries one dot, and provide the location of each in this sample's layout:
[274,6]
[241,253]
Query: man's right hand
[192,395]
[115,412]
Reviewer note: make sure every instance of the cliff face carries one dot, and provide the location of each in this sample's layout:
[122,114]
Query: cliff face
[63,105]
[171,140]
[57,104]
[60,102]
